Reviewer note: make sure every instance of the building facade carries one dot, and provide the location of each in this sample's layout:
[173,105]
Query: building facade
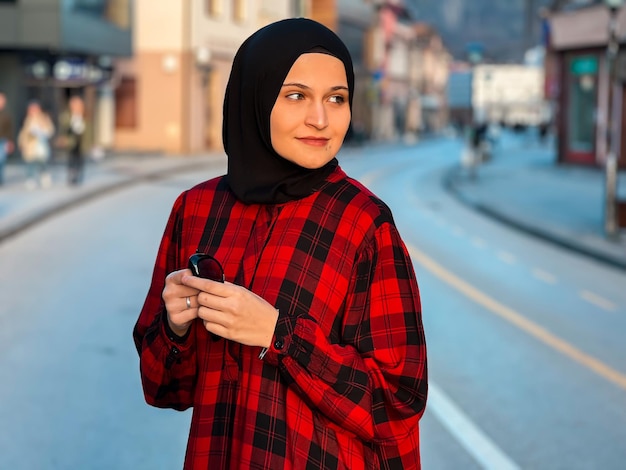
[511,94]
[51,49]
[409,68]
[578,82]
[431,65]
[169,95]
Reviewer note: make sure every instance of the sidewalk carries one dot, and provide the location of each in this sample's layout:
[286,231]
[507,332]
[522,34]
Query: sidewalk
[21,207]
[522,185]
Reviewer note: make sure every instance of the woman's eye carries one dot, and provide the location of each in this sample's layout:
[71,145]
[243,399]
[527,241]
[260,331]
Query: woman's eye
[339,99]
[295,96]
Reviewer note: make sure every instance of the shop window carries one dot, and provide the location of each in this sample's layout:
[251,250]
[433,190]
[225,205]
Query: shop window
[583,90]
[126,104]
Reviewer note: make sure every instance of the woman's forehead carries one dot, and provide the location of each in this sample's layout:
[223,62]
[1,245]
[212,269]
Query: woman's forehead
[313,66]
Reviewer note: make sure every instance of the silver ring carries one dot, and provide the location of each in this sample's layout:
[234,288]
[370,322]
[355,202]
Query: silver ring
[188,302]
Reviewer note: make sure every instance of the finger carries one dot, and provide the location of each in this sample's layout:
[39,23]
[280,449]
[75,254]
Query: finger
[213,315]
[182,320]
[216,329]
[173,293]
[206,285]
[177,276]
[212,301]
[191,301]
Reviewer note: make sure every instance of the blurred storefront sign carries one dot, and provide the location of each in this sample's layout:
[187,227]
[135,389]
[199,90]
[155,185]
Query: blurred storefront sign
[584,65]
[65,72]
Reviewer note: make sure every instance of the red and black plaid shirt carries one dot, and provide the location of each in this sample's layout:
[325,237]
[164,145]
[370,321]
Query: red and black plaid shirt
[344,384]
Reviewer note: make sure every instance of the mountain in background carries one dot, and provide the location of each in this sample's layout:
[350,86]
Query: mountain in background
[503,29]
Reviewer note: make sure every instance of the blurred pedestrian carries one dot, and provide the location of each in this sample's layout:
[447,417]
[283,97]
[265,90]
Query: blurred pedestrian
[544,127]
[311,352]
[34,144]
[74,137]
[6,135]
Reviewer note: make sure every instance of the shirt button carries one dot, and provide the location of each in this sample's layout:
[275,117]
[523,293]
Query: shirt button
[278,344]
[175,350]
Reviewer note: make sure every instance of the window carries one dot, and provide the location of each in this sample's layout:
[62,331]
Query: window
[113,11]
[126,104]
[582,102]
[239,10]
[118,13]
[92,7]
[214,7]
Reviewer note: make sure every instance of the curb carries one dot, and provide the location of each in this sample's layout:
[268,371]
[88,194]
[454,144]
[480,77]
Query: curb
[20,222]
[449,184]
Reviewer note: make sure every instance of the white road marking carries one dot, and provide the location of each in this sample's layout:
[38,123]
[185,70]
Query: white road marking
[474,441]
[544,276]
[598,301]
[508,258]
[458,231]
[479,242]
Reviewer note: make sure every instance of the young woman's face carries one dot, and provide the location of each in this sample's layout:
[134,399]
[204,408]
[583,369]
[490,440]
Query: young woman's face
[311,115]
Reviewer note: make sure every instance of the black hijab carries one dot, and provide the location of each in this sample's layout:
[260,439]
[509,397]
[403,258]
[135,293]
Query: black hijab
[256,173]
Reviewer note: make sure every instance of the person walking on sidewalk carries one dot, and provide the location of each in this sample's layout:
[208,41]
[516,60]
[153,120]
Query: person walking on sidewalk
[6,135]
[299,340]
[34,144]
[75,137]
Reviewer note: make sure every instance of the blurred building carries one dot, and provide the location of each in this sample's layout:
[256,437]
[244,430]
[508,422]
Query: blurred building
[352,20]
[50,49]
[459,95]
[430,63]
[512,94]
[409,69]
[578,81]
[169,96]
[387,56]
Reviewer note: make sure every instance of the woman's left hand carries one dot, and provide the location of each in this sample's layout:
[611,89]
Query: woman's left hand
[233,312]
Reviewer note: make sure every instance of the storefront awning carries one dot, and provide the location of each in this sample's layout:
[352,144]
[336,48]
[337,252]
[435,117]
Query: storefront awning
[587,27]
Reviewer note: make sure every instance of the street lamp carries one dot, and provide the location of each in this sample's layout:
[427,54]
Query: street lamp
[610,210]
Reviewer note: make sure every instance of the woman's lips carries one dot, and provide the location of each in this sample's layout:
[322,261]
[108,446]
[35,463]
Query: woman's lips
[314,141]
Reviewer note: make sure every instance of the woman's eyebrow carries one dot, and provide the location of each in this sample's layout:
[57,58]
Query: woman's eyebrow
[305,87]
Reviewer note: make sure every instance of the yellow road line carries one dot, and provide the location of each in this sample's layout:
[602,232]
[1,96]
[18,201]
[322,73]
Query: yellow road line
[519,320]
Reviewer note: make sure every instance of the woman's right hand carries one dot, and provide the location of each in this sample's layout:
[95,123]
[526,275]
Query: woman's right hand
[175,295]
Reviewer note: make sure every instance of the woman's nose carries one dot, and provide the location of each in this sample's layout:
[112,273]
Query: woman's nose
[317,116]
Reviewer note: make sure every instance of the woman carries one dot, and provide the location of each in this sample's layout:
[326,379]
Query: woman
[312,353]
[34,143]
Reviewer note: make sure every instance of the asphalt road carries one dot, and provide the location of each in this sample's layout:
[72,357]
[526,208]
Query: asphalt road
[526,350]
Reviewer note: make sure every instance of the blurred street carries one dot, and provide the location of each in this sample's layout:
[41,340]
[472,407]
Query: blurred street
[523,300]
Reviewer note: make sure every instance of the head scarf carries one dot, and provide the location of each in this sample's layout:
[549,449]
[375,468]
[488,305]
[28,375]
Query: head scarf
[256,173]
